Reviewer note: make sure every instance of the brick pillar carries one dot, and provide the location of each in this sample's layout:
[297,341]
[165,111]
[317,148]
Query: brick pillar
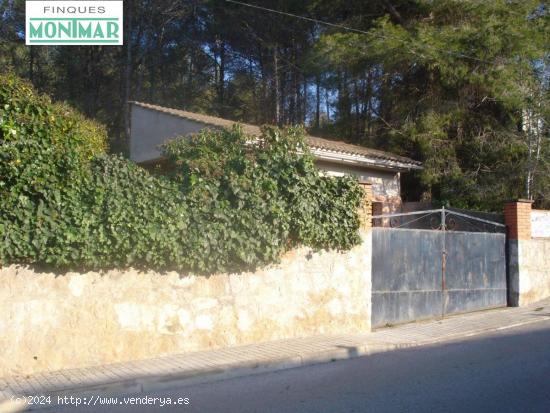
[365,212]
[517,216]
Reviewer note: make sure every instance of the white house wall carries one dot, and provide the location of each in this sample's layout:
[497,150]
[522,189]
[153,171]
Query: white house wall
[149,129]
[385,184]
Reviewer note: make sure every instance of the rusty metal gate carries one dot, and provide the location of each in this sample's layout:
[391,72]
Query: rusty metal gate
[434,263]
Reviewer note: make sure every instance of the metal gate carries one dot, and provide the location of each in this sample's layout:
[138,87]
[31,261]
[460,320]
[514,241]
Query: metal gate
[433,263]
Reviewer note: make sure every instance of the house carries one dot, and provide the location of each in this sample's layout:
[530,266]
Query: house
[152,125]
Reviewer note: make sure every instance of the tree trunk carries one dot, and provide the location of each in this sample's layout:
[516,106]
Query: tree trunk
[128,72]
[276,85]
[31,64]
[327,104]
[304,104]
[318,102]
[221,79]
[357,121]
[255,101]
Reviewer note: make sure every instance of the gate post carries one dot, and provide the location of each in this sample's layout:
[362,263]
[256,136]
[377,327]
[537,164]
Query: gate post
[365,222]
[365,210]
[443,262]
[517,216]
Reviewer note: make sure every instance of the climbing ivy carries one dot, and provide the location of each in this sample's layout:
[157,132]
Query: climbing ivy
[232,202]
[266,190]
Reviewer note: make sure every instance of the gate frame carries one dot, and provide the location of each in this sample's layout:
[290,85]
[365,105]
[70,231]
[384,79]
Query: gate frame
[444,214]
[443,227]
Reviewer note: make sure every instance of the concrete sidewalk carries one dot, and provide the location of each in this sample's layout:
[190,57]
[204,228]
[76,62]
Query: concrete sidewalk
[178,370]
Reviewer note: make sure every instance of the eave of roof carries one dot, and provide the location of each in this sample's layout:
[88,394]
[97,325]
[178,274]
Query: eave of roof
[335,151]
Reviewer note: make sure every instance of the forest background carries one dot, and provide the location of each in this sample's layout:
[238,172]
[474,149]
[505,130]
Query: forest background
[462,86]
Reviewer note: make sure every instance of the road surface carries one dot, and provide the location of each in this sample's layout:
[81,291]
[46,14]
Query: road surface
[506,371]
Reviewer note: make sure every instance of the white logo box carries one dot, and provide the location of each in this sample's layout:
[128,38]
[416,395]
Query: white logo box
[73,22]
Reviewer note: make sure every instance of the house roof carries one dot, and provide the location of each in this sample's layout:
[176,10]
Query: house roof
[321,148]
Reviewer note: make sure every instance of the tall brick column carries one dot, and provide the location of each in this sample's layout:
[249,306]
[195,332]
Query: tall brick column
[517,216]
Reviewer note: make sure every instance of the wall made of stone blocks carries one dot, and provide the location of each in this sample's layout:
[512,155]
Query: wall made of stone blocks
[54,321]
[534,261]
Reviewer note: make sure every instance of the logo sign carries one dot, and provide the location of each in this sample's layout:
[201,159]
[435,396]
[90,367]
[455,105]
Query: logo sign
[73,22]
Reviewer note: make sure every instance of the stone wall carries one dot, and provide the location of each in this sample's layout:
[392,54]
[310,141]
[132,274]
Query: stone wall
[529,257]
[54,321]
[529,268]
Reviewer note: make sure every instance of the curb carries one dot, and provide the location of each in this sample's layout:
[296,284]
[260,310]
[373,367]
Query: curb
[148,384]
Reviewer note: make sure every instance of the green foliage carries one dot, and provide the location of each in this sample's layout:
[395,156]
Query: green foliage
[455,79]
[253,198]
[133,217]
[44,153]
[445,82]
[230,206]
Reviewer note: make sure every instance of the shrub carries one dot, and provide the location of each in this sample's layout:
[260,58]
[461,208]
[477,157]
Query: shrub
[45,149]
[237,221]
[265,193]
[133,217]
[233,203]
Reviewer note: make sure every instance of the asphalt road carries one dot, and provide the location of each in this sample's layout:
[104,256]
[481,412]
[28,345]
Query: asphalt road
[507,371]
